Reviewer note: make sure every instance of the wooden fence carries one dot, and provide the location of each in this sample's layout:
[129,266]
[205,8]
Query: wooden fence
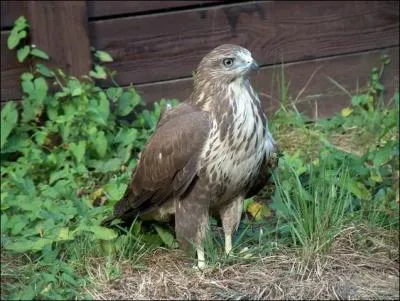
[157,44]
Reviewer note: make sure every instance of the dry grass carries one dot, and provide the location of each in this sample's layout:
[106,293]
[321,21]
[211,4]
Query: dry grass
[342,274]
[10,265]
[307,141]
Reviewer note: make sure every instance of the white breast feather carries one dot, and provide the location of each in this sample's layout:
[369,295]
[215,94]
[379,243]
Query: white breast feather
[248,160]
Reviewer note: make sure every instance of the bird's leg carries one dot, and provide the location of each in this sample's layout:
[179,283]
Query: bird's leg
[201,261]
[230,216]
[191,221]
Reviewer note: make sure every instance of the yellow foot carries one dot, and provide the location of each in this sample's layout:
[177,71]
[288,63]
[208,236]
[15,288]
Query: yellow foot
[245,253]
[203,269]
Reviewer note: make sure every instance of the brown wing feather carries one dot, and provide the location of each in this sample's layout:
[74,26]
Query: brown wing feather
[170,112]
[168,163]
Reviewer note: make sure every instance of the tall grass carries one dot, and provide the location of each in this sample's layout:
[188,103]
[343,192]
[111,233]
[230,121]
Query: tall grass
[311,207]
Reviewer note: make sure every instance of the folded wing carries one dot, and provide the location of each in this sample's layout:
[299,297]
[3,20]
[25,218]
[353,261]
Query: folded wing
[168,163]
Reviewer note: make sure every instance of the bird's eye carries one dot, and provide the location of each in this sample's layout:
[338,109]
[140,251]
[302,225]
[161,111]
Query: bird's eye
[228,62]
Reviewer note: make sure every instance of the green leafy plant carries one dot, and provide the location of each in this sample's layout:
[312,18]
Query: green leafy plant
[18,33]
[65,152]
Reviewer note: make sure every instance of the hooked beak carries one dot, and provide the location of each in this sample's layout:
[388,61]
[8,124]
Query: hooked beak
[254,66]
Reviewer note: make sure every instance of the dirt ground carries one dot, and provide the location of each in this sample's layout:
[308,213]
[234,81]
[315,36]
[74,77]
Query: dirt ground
[343,274]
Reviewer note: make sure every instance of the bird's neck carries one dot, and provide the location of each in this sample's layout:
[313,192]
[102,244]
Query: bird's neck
[212,95]
[221,99]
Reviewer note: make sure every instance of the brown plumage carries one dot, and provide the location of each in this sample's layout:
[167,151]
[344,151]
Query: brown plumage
[206,155]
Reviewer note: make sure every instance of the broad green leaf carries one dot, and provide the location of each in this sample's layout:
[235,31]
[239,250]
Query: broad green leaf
[64,234]
[61,174]
[9,119]
[40,137]
[246,203]
[49,277]
[20,23]
[67,269]
[16,143]
[76,92]
[22,34]
[39,53]
[43,70]
[96,194]
[376,178]
[100,144]
[383,156]
[115,191]
[103,56]
[28,203]
[68,279]
[124,152]
[104,105]
[166,237]
[126,136]
[4,221]
[108,246]
[114,93]
[13,40]
[26,76]
[52,112]
[28,87]
[379,86]
[107,166]
[103,233]
[385,59]
[81,169]
[66,129]
[136,227]
[153,239]
[25,184]
[359,190]
[374,74]
[40,89]
[75,87]
[345,112]
[70,111]
[358,100]
[78,150]
[258,210]
[24,245]
[128,101]
[61,94]
[17,33]
[98,72]
[18,223]
[100,109]
[22,53]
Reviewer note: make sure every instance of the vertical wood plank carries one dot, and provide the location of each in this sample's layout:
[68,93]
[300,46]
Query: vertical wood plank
[60,29]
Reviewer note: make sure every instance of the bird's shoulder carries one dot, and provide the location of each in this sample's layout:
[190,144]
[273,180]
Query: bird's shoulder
[168,163]
[171,113]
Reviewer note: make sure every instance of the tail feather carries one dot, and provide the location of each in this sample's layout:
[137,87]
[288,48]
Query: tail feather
[123,209]
[107,221]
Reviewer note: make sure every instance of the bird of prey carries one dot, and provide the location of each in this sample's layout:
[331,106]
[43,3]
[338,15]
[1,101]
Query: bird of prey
[206,155]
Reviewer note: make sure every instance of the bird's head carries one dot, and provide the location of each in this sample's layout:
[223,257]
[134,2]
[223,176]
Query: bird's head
[226,63]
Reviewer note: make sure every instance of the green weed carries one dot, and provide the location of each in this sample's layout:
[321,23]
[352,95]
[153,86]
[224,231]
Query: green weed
[312,203]
[67,150]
